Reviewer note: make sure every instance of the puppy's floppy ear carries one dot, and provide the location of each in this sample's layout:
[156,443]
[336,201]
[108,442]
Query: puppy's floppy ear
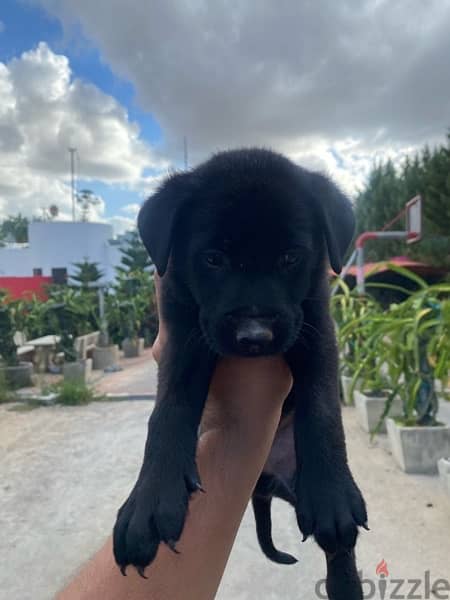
[157,217]
[336,213]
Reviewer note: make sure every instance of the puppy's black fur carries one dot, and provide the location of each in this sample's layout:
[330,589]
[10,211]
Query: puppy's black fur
[244,241]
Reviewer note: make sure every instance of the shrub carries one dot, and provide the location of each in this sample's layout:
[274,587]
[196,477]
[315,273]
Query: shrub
[74,393]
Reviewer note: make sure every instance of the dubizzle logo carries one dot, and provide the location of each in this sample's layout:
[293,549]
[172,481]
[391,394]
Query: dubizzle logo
[382,568]
[384,587]
[382,572]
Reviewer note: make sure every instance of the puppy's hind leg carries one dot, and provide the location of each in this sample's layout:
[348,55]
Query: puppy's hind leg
[343,582]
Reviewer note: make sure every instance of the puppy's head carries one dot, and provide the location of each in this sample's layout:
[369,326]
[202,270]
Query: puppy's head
[247,233]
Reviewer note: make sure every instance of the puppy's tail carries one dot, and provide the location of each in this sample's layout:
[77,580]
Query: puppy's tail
[261,508]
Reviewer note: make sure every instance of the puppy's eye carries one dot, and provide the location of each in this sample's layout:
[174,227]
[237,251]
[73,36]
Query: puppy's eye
[290,258]
[215,259]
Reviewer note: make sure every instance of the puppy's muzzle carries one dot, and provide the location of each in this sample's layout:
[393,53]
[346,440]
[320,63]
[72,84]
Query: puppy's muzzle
[253,332]
[254,335]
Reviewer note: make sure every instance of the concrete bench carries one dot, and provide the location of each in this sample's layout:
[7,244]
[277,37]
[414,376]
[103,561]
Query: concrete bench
[85,344]
[24,351]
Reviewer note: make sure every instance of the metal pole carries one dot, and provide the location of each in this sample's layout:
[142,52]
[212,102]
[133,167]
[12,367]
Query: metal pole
[72,173]
[360,269]
[361,240]
[104,337]
[101,304]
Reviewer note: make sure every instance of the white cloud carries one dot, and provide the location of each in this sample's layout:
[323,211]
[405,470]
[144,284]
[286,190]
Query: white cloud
[43,111]
[131,209]
[230,73]
[121,224]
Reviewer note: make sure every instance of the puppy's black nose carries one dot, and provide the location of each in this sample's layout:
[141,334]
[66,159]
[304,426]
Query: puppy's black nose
[253,335]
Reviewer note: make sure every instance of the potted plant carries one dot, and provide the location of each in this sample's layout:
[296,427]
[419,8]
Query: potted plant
[351,314]
[132,344]
[105,355]
[64,317]
[418,328]
[15,373]
[371,401]
[374,398]
[131,305]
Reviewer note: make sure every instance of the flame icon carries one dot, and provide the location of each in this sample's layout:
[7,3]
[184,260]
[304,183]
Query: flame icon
[382,568]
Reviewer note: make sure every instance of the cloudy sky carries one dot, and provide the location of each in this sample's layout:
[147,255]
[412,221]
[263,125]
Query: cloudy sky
[335,85]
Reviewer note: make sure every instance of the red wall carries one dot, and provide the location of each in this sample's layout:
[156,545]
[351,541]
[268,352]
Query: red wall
[25,287]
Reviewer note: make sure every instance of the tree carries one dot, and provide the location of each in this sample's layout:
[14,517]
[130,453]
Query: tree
[87,274]
[375,206]
[131,305]
[387,190]
[15,228]
[87,199]
[134,255]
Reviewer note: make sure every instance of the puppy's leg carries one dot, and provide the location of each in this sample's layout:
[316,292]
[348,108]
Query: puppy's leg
[329,503]
[343,581]
[156,508]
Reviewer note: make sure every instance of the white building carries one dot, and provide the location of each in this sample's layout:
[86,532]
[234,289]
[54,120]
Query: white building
[54,246]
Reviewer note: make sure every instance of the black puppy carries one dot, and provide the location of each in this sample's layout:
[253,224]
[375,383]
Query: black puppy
[249,236]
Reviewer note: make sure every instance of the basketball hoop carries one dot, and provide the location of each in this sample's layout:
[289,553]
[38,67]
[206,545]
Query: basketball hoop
[413,233]
[414,219]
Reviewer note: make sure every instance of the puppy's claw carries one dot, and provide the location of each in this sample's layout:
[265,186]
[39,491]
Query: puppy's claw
[365,526]
[172,546]
[194,484]
[305,537]
[141,570]
[123,570]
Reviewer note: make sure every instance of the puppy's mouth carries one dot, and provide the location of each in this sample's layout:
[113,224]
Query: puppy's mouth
[254,337]
[248,335]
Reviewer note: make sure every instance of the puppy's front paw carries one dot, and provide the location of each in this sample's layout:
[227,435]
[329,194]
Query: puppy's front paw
[331,510]
[155,512]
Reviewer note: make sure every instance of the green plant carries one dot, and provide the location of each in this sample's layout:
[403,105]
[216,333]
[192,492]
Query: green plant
[410,341]
[134,255]
[81,309]
[8,349]
[353,317]
[15,228]
[130,307]
[388,188]
[87,274]
[74,393]
[400,350]
[6,394]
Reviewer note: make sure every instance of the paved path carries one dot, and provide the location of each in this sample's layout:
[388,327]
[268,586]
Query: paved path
[138,376]
[65,470]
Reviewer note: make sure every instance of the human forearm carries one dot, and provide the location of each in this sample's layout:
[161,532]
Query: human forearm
[230,458]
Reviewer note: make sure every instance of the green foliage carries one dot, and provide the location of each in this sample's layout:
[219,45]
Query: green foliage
[134,255]
[72,393]
[73,311]
[404,348]
[130,304]
[352,314]
[130,307]
[87,274]
[15,228]
[6,394]
[387,190]
[8,349]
